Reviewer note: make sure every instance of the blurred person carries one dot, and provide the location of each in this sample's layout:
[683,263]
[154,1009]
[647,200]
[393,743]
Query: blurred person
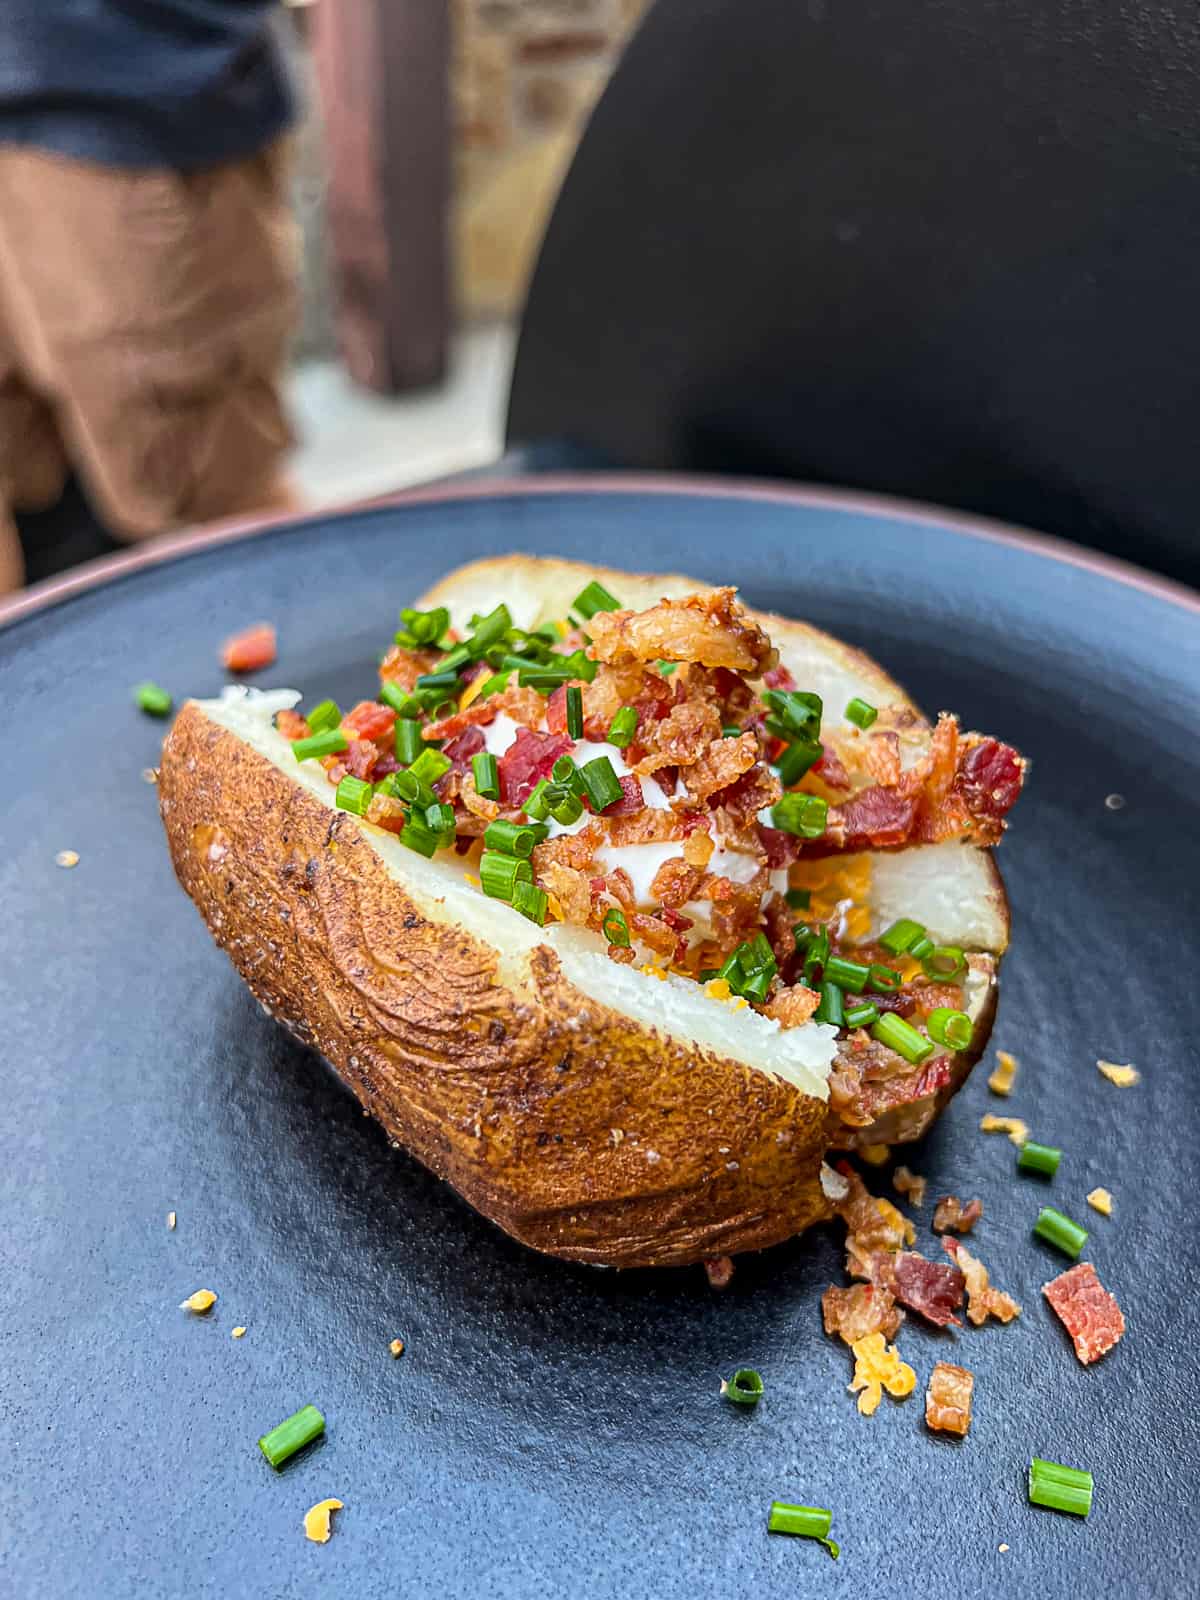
[148,261]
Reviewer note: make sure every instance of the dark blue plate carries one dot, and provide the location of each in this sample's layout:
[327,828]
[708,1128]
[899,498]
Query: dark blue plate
[553,1429]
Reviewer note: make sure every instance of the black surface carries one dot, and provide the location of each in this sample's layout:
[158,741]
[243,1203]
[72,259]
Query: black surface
[554,1429]
[944,249]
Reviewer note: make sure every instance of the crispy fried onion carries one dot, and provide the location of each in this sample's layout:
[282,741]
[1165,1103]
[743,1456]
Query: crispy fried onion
[710,628]
[982,1300]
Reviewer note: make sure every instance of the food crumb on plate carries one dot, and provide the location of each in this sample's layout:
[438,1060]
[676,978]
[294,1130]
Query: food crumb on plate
[237,1333]
[877,1366]
[202,1301]
[1100,1200]
[67,858]
[1001,1080]
[948,1399]
[1123,1076]
[874,1154]
[983,1300]
[950,1215]
[149,774]
[1114,802]
[1086,1309]
[318,1520]
[1016,1130]
[171,1221]
[719,1270]
[1002,1548]
[906,1182]
[397,1347]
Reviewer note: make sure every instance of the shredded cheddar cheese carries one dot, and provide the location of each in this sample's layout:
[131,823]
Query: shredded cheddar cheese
[652,971]
[1100,1200]
[397,1347]
[237,1333]
[831,881]
[1123,1077]
[201,1302]
[318,1522]
[1001,1080]
[1016,1130]
[877,1367]
[472,691]
[873,1154]
[718,989]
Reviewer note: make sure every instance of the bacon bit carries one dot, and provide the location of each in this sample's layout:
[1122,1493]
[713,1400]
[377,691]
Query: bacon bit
[67,858]
[721,764]
[906,1182]
[1100,1200]
[459,750]
[982,1300]
[1086,1310]
[877,1366]
[404,667]
[386,811]
[526,762]
[199,1303]
[778,678]
[792,1006]
[873,1224]
[396,1347]
[318,1522]
[928,1287]
[710,628]
[719,1270]
[360,757]
[875,819]
[874,1154]
[171,1221]
[948,1400]
[1016,1130]
[237,1333]
[862,1309]
[369,720]
[1001,1080]
[989,777]
[477,804]
[251,650]
[681,737]
[951,1214]
[743,800]
[1123,1077]
[292,725]
[631,801]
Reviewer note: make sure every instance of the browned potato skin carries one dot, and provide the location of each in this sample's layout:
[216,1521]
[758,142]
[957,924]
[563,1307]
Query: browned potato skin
[511,1097]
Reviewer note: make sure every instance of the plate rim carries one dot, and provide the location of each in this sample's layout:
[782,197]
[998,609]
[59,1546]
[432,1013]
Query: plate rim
[190,541]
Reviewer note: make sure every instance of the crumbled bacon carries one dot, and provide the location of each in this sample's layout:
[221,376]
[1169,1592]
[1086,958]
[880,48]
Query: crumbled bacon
[681,737]
[874,757]
[781,848]
[743,800]
[631,801]
[675,883]
[652,931]
[251,650]
[950,1214]
[792,1006]
[292,725]
[369,720]
[385,811]
[526,762]
[359,758]
[719,1270]
[570,887]
[875,819]
[990,777]
[459,751]
[1086,1310]
[934,1290]
[873,1223]
[709,628]
[862,1309]
[948,1399]
[404,667]
[778,678]
[982,1300]
[830,770]
[525,706]
[719,765]
[476,804]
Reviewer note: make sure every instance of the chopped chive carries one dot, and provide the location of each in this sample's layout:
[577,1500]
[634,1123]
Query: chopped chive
[832,1007]
[797,759]
[901,936]
[757,986]
[565,774]
[1060,1231]
[437,681]
[418,837]
[807,1522]
[511,838]
[884,980]
[392,695]
[615,929]
[797,713]
[566,808]
[407,786]
[945,962]
[949,1027]
[496,684]
[330,743]
[151,698]
[745,1388]
[1060,1488]
[439,819]
[530,901]
[601,782]
[862,1015]
[623,727]
[499,873]
[430,765]
[804,934]
[408,741]
[757,955]
[731,731]
[1043,1158]
[860,713]
[325,716]
[282,1443]
[901,1037]
[353,794]
[666,668]
[454,660]
[595,597]
[486,773]
[489,630]
[850,975]
[574,711]
[537,804]
[801,814]
[920,949]
[421,628]
[817,954]
[798,899]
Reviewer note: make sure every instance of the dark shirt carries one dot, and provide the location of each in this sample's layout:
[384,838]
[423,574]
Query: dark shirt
[142,83]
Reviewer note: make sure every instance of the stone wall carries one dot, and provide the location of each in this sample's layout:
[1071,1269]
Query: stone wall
[525,76]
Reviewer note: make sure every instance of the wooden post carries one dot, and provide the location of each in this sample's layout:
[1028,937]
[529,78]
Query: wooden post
[383,69]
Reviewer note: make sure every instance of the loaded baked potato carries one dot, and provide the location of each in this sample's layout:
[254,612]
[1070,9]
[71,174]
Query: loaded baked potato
[620,907]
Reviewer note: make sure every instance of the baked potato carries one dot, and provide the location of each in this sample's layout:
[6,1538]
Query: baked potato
[600,1089]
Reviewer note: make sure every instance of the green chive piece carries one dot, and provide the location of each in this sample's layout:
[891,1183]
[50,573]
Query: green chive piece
[945,963]
[1060,1488]
[808,1522]
[796,760]
[401,702]
[862,1016]
[489,630]
[408,741]
[804,934]
[566,808]
[832,1007]
[530,901]
[486,774]
[499,873]
[901,936]
[601,782]
[407,786]
[801,814]
[418,837]
[430,765]
[353,794]
[885,980]
[1043,1158]
[496,684]
[860,713]
[817,954]
[921,948]
[797,712]
[731,731]
[902,1037]
[615,929]
[745,1388]
[454,660]
[1060,1231]
[949,1027]
[536,804]
[595,597]
[442,681]
[421,628]
[152,699]
[850,975]
[799,899]
[623,727]
[282,1443]
[565,774]
[330,743]
[510,838]
[666,668]
[325,716]
[439,819]
[574,711]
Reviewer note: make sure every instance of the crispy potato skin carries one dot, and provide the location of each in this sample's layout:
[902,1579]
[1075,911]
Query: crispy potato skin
[576,1130]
